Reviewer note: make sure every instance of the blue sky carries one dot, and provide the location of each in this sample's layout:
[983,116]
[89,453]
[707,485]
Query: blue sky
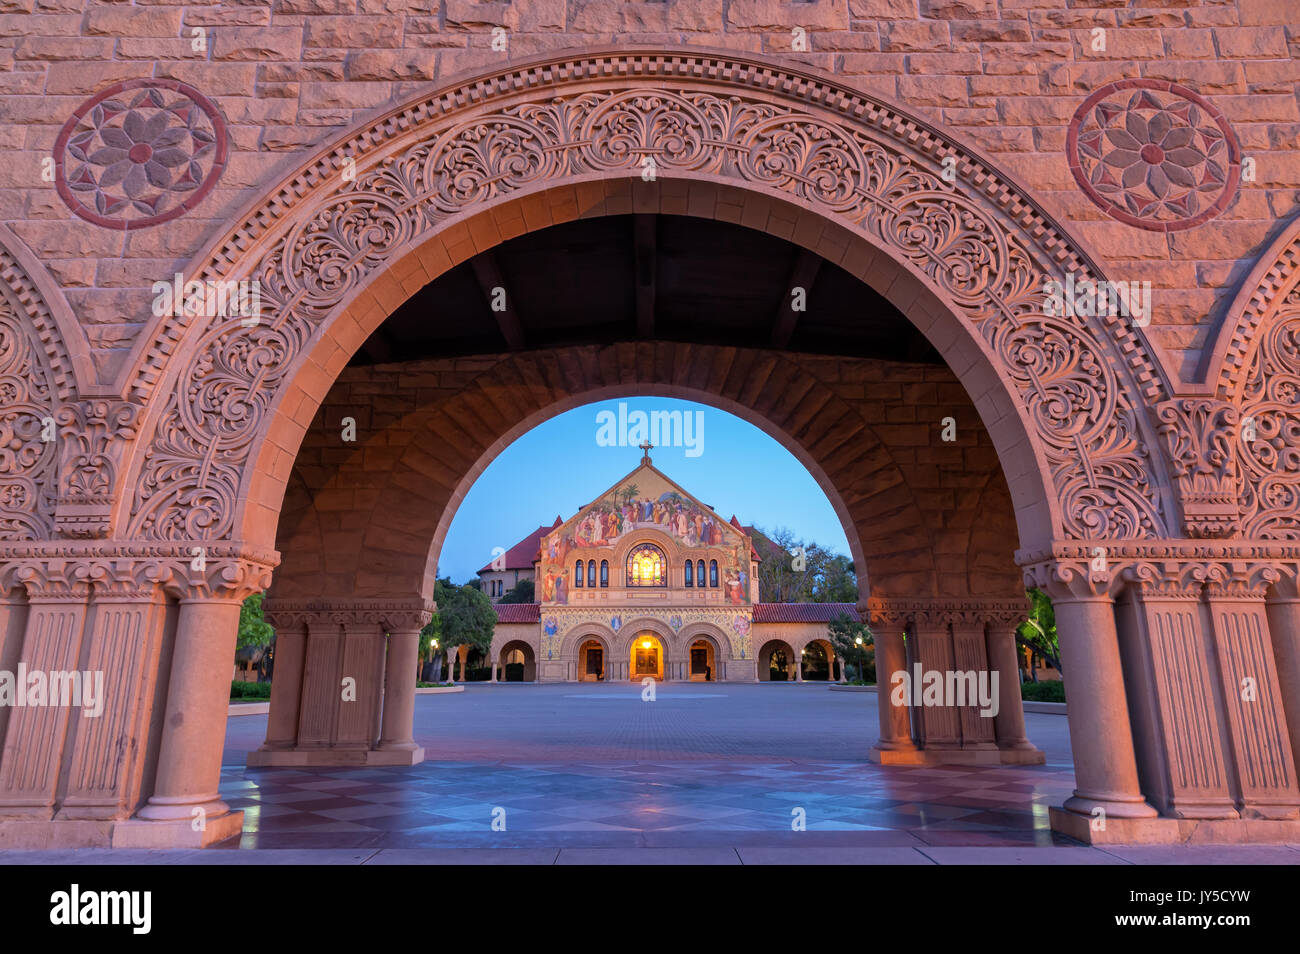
[559,466]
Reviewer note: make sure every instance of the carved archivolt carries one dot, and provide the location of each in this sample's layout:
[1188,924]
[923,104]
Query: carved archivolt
[979,242]
[28,458]
[1268,436]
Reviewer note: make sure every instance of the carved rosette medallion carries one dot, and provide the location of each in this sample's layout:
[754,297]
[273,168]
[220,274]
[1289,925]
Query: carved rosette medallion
[1154,155]
[140,153]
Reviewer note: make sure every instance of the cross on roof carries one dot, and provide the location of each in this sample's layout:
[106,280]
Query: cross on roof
[645,446]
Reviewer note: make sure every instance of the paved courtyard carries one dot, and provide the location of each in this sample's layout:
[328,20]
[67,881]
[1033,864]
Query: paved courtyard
[705,774]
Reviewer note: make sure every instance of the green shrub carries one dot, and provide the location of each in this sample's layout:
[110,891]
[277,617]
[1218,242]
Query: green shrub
[432,685]
[1048,691]
[250,690]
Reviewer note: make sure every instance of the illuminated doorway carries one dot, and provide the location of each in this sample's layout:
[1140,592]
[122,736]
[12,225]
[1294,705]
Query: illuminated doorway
[647,657]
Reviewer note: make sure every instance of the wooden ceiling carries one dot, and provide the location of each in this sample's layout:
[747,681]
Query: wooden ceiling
[627,277]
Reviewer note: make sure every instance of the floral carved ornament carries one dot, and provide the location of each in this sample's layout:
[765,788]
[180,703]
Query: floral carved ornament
[1067,375]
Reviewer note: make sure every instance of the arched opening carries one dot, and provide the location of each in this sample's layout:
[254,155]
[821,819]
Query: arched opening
[517,662]
[776,662]
[591,661]
[703,661]
[950,284]
[647,657]
[816,658]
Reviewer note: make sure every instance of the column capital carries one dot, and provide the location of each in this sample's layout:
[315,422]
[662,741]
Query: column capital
[127,569]
[937,612]
[393,615]
[1239,581]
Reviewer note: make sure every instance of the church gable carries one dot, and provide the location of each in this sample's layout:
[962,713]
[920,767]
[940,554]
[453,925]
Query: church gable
[644,499]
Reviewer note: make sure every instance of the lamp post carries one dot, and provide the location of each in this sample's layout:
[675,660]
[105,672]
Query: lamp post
[858,642]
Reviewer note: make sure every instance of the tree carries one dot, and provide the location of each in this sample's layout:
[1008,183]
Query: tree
[1038,632]
[465,617]
[256,636]
[522,592]
[854,643]
[792,570]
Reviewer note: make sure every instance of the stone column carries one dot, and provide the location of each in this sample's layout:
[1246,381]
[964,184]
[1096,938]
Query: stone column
[895,743]
[106,777]
[1175,717]
[1261,746]
[494,669]
[185,800]
[347,684]
[397,734]
[1009,724]
[970,656]
[1105,767]
[286,684]
[1283,610]
[941,727]
[36,735]
[798,665]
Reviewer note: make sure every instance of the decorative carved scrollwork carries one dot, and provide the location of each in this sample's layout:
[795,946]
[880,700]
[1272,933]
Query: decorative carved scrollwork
[988,250]
[1200,435]
[1268,439]
[28,456]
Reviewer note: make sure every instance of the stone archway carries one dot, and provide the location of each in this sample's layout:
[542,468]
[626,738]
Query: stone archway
[192,459]
[853,177]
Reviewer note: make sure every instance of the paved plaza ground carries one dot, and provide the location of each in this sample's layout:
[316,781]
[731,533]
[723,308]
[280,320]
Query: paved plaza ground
[703,774]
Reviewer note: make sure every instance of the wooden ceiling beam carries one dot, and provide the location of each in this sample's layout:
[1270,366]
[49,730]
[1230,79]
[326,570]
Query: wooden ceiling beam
[802,275]
[492,282]
[645,242]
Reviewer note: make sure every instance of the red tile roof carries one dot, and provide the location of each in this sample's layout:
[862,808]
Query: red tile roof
[518,612]
[522,554]
[803,612]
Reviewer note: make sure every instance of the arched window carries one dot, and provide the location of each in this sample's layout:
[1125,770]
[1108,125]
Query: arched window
[699,574]
[690,573]
[604,573]
[591,573]
[577,573]
[646,566]
[713,572]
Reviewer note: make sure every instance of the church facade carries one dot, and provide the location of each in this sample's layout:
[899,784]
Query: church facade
[647,581]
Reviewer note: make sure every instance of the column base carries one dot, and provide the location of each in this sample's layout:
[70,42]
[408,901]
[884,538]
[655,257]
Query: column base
[1174,831]
[138,833]
[123,833]
[306,758]
[945,756]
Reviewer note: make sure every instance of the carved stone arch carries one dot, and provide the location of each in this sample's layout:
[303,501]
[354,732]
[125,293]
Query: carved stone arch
[581,633]
[39,374]
[460,170]
[640,624]
[415,502]
[704,630]
[1235,443]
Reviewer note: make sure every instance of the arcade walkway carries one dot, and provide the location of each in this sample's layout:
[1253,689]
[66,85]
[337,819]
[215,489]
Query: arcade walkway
[705,774]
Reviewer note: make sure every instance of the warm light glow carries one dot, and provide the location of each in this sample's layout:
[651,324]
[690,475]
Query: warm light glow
[645,644]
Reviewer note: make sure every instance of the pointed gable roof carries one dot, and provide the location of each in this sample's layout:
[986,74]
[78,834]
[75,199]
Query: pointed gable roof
[647,472]
[523,554]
